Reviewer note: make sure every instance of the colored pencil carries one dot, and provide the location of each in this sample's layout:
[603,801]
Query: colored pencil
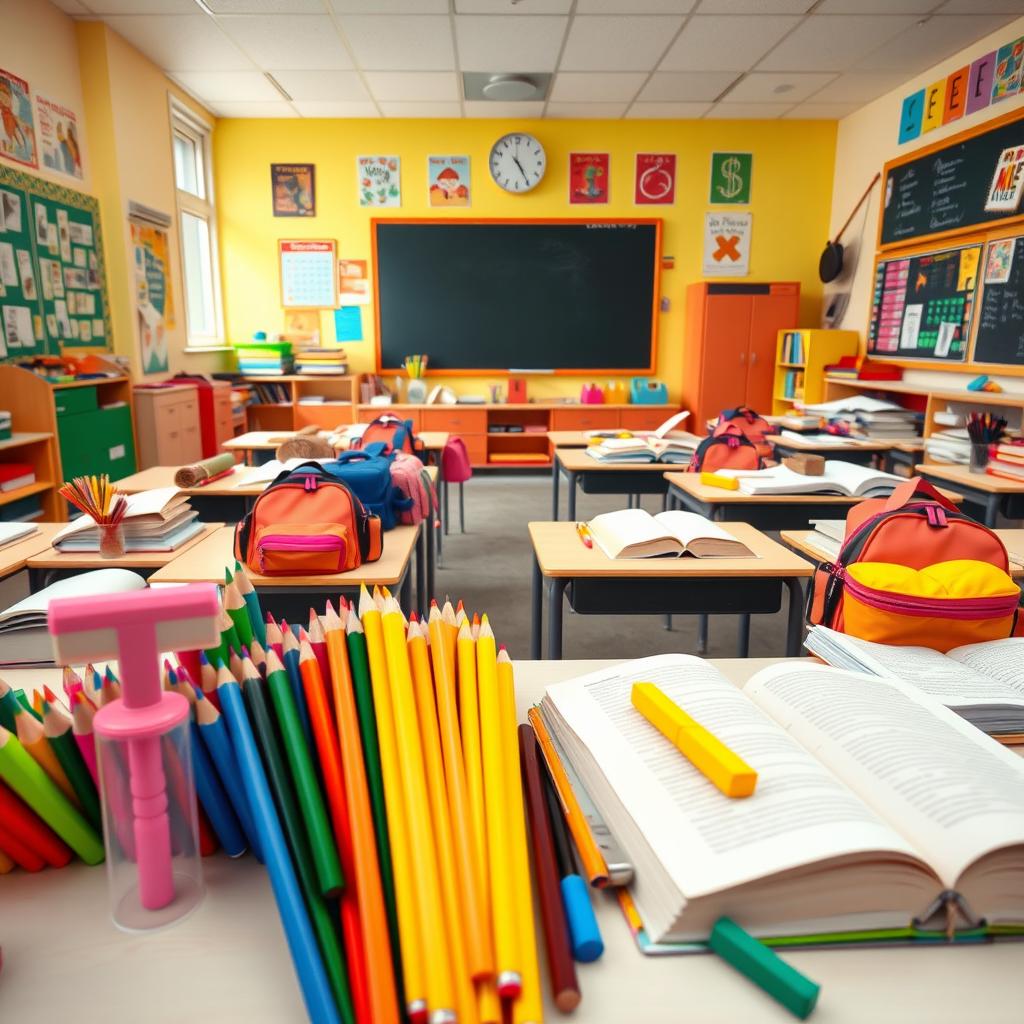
[329,757]
[9,706]
[82,712]
[25,825]
[238,612]
[57,729]
[37,789]
[32,737]
[252,603]
[71,683]
[272,636]
[313,981]
[23,855]
[235,665]
[257,655]
[315,630]
[6,864]
[290,660]
[373,920]
[26,705]
[405,874]
[561,968]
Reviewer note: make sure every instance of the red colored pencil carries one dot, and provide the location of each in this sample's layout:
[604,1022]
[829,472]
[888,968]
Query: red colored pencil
[22,855]
[319,645]
[82,711]
[274,637]
[21,822]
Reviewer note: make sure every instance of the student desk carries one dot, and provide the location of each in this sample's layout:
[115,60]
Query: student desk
[14,557]
[579,438]
[268,440]
[205,563]
[860,452]
[995,494]
[599,585]
[595,477]
[229,961]
[903,454]
[50,564]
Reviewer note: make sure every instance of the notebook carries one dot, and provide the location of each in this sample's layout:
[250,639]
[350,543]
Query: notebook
[634,533]
[11,533]
[876,807]
[839,478]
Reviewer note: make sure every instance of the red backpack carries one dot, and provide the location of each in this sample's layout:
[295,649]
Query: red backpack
[393,432]
[306,523]
[754,427]
[727,448]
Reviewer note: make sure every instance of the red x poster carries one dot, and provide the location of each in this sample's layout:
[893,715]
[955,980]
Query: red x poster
[727,244]
[655,179]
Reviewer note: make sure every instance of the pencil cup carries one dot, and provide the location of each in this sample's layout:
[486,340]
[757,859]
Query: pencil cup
[150,826]
[111,540]
[979,457]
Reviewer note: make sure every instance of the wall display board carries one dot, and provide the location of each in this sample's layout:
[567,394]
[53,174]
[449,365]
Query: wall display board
[308,273]
[53,288]
[1000,332]
[922,304]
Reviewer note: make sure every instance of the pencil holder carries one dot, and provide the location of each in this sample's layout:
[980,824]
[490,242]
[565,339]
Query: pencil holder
[150,825]
[111,540]
[979,457]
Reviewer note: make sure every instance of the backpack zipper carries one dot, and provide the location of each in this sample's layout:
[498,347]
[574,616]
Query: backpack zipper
[931,607]
[291,542]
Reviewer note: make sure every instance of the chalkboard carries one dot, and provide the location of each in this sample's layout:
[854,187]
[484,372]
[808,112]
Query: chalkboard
[921,306]
[948,190]
[1001,313]
[530,295]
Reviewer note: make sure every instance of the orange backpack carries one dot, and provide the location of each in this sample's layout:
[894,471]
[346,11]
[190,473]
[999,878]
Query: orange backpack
[727,448]
[754,427]
[393,432]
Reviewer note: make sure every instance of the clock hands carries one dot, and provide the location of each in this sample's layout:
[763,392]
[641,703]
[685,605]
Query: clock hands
[515,160]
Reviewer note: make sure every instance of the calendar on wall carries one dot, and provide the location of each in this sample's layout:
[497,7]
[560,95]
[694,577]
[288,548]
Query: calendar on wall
[308,276]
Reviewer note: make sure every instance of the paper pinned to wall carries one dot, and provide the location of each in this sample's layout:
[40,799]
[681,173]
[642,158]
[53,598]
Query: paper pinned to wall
[348,323]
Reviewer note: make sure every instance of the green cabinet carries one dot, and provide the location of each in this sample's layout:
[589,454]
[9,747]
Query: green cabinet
[96,441]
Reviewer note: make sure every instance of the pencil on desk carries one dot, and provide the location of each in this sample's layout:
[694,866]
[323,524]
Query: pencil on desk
[32,737]
[25,825]
[273,638]
[9,706]
[257,655]
[82,712]
[6,864]
[21,854]
[238,612]
[57,729]
[252,603]
[315,630]
[290,657]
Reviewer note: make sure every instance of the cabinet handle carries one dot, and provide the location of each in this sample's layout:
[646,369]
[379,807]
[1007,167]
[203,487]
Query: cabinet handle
[743,358]
[753,358]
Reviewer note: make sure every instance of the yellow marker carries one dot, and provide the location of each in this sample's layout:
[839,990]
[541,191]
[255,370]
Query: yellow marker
[727,483]
[708,754]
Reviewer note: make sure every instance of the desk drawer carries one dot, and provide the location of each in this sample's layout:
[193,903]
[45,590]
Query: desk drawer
[648,419]
[476,448]
[455,420]
[593,418]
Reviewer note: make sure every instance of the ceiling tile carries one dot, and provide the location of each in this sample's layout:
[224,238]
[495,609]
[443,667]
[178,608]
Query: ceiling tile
[756,6]
[876,6]
[833,42]
[510,43]
[725,43]
[400,43]
[673,111]
[279,109]
[748,111]
[413,86]
[594,87]
[263,6]
[322,85]
[390,6]
[400,109]
[776,87]
[609,111]
[860,86]
[304,40]
[617,44]
[103,7]
[335,108]
[510,111]
[687,85]
[181,42]
[520,8]
[821,111]
[982,7]
[634,6]
[217,86]
[923,45]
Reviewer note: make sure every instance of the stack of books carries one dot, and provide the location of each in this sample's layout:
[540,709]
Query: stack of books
[793,347]
[1007,460]
[871,417]
[326,361]
[15,475]
[270,394]
[677,451]
[5,425]
[157,520]
[264,358]
[793,384]
[948,446]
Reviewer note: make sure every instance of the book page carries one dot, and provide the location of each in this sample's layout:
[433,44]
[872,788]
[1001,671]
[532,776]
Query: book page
[852,476]
[687,526]
[672,421]
[1001,660]
[947,787]
[799,814]
[613,531]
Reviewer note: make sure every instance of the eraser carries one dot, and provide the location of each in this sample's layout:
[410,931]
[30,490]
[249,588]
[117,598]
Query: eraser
[727,483]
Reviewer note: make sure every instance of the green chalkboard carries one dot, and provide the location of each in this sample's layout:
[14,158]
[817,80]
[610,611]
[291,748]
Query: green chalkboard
[1001,312]
[51,267]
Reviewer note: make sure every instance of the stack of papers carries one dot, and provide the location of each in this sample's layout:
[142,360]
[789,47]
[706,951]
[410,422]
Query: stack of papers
[157,520]
[871,417]
[839,478]
[948,446]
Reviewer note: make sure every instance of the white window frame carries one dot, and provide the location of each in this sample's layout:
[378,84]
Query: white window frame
[185,122]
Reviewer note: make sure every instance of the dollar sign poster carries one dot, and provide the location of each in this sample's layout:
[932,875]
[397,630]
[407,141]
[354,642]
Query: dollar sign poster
[730,177]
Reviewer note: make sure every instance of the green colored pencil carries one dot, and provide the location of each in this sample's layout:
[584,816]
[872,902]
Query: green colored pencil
[57,729]
[256,702]
[9,707]
[22,698]
[239,614]
[252,602]
[318,825]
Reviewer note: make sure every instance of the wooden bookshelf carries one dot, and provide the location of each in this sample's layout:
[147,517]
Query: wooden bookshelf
[341,394]
[818,348]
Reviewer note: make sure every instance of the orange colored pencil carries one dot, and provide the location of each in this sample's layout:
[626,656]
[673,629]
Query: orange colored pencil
[380,980]
[32,736]
[334,785]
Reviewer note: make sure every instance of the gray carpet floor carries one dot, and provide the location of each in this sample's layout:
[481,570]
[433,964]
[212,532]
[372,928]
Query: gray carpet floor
[489,568]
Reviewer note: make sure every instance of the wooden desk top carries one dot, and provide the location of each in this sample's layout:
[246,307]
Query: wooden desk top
[814,444]
[205,563]
[51,558]
[962,475]
[577,460]
[268,440]
[163,476]
[14,557]
[561,553]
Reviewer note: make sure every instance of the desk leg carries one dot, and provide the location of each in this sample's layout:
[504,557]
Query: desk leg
[702,635]
[571,484]
[444,501]
[442,513]
[743,637]
[405,593]
[432,534]
[422,600]
[992,511]
[795,619]
[556,595]
[536,610]
[554,489]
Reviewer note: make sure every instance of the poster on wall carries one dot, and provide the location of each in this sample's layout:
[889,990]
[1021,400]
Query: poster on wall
[59,149]
[353,283]
[448,180]
[293,189]
[308,273]
[1007,182]
[730,178]
[655,179]
[380,182]
[589,181]
[17,128]
[154,303]
[1009,65]
[727,244]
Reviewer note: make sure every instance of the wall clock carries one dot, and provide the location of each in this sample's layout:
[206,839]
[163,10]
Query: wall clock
[517,162]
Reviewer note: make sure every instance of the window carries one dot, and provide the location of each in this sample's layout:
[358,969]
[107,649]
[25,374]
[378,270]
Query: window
[197,226]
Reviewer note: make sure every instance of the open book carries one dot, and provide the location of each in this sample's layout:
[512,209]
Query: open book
[156,520]
[876,807]
[634,533]
[677,450]
[983,683]
[839,478]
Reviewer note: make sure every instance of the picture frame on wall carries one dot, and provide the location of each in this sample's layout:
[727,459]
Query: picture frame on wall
[293,190]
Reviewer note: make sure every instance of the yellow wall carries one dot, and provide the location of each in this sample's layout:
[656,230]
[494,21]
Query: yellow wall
[792,184]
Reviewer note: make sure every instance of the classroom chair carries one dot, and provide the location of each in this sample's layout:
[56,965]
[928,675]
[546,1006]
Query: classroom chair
[455,469]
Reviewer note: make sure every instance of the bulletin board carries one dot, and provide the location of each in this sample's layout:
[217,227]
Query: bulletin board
[1000,332]
[54,287]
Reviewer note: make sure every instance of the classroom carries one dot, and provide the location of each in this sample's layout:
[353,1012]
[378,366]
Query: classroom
[485,488]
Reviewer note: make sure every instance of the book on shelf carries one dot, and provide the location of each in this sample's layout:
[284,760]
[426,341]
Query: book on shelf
[156,520]
[792,347]
[842,835]
[14,475]
[677,450]
[983,683]
[843,478]
[5,425]
[22,510]
[11,533]
[635,533]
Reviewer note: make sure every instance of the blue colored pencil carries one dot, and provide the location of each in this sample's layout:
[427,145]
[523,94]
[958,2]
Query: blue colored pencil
[214,734]
[316,991]
[214,800]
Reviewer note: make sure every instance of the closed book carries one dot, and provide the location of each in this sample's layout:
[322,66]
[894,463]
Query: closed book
[16,474]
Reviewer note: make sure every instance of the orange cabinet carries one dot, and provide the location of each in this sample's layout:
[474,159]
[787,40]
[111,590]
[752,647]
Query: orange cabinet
[640,418]
[367,414]
[594,417]
[455,420]
[729,350]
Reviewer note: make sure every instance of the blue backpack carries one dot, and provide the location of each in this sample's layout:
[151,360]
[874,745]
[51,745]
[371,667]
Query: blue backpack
[367,472]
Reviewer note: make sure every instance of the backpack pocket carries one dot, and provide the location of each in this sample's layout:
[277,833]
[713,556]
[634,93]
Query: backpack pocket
[296,549]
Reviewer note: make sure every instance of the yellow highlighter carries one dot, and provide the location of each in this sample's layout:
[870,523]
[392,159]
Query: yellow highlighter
[709,755]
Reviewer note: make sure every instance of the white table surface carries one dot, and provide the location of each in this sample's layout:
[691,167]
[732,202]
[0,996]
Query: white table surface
[64,960]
